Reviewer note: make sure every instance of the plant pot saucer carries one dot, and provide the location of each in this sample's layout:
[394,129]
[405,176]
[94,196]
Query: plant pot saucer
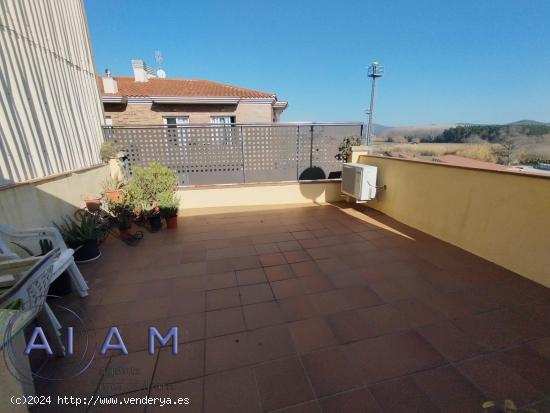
[89,260]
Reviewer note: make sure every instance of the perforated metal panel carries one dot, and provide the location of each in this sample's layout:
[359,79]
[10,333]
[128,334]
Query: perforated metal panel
[204,155]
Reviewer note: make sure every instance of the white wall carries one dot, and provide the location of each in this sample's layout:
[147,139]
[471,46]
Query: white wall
[39,203]
[50,109]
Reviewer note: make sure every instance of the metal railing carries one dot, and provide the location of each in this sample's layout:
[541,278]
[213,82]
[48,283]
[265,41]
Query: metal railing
[237,153]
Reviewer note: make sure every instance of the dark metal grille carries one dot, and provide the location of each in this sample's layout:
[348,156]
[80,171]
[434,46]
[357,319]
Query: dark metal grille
[239,153]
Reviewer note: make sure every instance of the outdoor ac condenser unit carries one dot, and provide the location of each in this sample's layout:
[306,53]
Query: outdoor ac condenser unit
[359,181]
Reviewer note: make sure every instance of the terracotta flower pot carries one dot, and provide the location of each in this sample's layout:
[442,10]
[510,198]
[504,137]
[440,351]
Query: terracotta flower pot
[114,196]
[172,222]
[93,203]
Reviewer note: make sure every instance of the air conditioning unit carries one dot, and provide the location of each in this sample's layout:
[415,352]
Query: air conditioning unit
[359,181]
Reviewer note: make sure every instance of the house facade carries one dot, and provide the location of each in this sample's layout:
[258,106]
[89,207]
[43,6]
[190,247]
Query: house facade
[149,98]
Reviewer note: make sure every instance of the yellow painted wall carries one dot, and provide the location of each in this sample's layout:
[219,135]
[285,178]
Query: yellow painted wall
[261,194]
[39,203]
[502,217]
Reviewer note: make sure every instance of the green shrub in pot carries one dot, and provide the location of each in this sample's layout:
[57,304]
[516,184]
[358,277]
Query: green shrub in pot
[168,206]
[82,236]
[146,189]
[123,211]
[149,182]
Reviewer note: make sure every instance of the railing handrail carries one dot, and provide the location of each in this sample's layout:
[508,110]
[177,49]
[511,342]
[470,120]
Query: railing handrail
[213,125]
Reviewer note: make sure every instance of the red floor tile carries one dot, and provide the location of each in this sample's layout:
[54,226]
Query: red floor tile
[392,356]
[301,269]
[262,315]
[226,352]
[224,298]
[449,390]
[498,382]
[127,373]
[353,401]
[226,321]
[279,272]
[311,334]
[233,391]
[187,364]
[282,383]
[383,319]
[251,276]
[330,372]
[402,396]
[256,293]
[298,308]
[530,365]
[453,343]
[269,260]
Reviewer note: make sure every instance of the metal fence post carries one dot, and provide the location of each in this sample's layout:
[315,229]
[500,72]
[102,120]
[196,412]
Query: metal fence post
[298,152]
[242,152]
[311,146]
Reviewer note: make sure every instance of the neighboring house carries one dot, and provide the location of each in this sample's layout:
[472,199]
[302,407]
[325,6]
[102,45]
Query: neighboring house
[150,98]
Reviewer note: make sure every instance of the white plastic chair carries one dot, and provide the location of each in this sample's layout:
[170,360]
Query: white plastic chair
[10,237]
[31,290]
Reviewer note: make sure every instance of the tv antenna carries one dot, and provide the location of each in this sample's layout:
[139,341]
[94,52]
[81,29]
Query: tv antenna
[161,74]
[375,71]
[158,58]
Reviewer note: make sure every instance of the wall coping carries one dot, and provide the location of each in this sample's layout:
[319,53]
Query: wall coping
[446,165]
[257,184]
[50,177]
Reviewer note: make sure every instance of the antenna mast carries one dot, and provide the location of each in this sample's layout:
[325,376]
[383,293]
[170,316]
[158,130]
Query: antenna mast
[375,71]
[161,74]
[158,58]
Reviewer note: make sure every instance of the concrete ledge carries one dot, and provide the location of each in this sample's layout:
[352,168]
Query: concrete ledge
[273,193]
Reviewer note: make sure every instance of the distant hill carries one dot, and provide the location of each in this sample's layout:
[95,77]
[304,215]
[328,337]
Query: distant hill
[380,128]
[399,133]
[527,122]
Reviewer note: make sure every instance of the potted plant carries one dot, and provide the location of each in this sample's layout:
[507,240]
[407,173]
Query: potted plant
[168,206]
[344,150]
[108,150]
[146,189]
[114,189]
[152,213]
[93,202]
[82,237]
[123,211]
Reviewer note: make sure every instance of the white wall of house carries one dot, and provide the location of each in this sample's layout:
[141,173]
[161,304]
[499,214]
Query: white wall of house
[50,109]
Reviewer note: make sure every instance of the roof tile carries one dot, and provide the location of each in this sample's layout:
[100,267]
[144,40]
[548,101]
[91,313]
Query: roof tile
[127,86]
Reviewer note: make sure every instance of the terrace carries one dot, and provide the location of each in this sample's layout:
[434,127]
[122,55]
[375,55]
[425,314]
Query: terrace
[309,308]
[432,297]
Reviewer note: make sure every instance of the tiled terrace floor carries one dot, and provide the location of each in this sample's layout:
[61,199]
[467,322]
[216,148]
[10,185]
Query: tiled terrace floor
[312,309]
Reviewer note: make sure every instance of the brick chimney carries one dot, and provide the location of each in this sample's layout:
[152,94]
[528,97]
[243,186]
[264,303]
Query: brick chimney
[109,84]
[142,73]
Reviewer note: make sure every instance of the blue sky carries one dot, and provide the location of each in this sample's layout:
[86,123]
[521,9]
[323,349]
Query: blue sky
[481,61]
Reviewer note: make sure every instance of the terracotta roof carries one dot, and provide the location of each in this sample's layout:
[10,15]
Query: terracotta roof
[471,163]
[127,86]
